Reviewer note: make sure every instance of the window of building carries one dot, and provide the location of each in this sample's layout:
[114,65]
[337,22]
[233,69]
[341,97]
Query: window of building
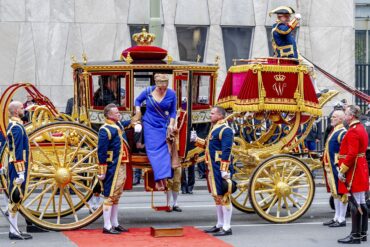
[360,46]
[137,29]
[237,43]
[269,38]
[192,42]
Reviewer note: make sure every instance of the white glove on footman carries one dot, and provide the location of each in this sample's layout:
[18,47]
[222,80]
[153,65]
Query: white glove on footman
[298,16]
[193,136]
[101,177]
[225,175]
[20,178]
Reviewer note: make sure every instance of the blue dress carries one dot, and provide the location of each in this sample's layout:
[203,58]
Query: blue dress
[155,122]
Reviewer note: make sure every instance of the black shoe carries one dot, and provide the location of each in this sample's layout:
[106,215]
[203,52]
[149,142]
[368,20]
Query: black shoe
[213,229]
[136,182]
[190,192]
[363,236]
[351,239]
[183,192]
[176,208]
[23,236]
[120,228]
[7,213]
[110,231]
[202,177]
[328,223]
[222,232]
[337,224]
[26,235]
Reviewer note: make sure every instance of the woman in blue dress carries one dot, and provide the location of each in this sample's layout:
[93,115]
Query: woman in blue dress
[159,116]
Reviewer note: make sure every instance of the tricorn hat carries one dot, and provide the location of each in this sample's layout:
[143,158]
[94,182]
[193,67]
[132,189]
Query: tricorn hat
[226,183]
[282,10]
[16,195]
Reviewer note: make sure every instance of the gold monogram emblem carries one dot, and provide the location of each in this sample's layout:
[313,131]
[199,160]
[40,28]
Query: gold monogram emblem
[279,84]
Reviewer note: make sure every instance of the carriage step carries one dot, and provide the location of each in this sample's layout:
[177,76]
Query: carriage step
[166,232]
[161,208]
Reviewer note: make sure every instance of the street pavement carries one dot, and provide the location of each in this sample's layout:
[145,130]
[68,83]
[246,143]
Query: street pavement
[199,211]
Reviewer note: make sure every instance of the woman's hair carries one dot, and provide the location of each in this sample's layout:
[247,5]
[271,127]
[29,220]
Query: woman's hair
[108,108]
[161,79]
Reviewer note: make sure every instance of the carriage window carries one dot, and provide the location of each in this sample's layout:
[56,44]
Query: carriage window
[201,90]
[109,89]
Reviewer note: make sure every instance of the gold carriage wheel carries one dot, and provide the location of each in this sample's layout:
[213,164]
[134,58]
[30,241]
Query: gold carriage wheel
[288,182]
[61,176]
[4,157]
[240,199]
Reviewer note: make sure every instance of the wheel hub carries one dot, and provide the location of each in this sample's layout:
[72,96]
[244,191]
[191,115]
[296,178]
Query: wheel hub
[283,189]
[63,176]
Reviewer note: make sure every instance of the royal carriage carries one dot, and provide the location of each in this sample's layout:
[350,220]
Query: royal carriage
[272,105]
[63,161]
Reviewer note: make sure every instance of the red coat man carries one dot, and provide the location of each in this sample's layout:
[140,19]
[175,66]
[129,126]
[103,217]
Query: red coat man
[352,159]
[354,173]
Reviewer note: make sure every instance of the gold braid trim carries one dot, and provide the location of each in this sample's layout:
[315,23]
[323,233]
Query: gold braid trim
[269,68]
[224,165]
[102,170]
[19,166]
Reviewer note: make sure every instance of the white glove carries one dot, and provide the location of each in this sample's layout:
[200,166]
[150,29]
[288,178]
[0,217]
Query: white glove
[138,128]
[20,178]
[298,16]
[341,177]
[193,136]
[101,177]
[225,175]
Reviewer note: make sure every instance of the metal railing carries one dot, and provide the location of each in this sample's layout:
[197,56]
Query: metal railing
[362,74]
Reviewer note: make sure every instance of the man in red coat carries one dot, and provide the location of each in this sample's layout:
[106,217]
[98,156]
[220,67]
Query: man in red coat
[354,173]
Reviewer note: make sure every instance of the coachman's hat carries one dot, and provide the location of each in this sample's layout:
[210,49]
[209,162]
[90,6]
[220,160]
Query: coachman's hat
[282,10]
[16,195]
[228,185]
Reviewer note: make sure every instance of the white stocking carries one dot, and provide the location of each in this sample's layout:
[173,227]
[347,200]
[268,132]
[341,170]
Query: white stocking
[107,212]
[174,196]
[114,216]
[342,211]
[337,209]
[227,211]
[220,216]
[169,197]
[14,221]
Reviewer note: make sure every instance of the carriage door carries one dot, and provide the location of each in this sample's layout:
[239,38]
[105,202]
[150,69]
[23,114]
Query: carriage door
[181,85]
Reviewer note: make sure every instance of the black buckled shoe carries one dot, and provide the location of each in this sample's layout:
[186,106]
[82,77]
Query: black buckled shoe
[26,235]
[110,231]
[23,236]
[222,232]
[176,208]
[363,236]
[213,229]
[328,223]
[120,228]
[351,239]
[337,224]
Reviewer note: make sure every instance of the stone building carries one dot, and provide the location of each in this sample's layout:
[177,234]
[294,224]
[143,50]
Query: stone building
[39,36]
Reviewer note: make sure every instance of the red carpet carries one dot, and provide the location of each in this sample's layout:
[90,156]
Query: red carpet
[140,237]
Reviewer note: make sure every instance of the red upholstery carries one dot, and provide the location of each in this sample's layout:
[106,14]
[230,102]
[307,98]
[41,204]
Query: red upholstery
[144,52]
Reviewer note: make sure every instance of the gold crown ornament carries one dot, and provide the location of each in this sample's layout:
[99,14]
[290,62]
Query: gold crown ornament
[279,77]
[143,38]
